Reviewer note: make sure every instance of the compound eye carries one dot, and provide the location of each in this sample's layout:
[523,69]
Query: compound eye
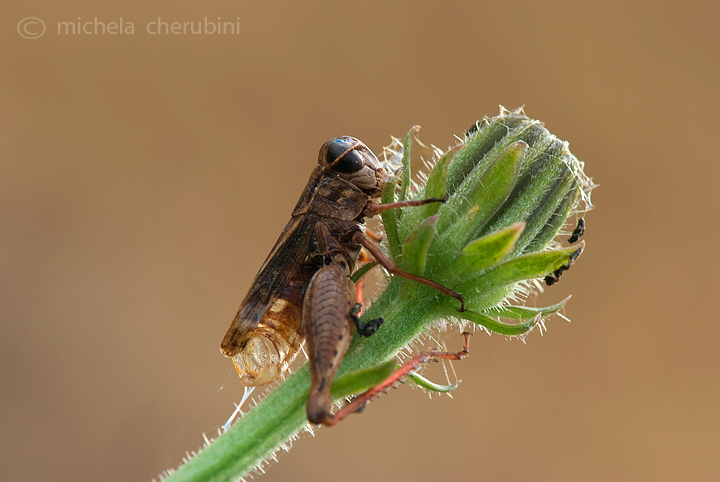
[343,157]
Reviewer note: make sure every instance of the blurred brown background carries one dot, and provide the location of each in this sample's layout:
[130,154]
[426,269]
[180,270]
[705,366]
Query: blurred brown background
[145,177]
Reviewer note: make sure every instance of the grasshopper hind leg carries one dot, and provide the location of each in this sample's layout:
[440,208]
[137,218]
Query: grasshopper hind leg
[358,403]
[328,330]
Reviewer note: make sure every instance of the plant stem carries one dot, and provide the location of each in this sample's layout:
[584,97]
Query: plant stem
[281,415]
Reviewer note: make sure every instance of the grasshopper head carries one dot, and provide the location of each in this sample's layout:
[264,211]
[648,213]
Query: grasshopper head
[353,161]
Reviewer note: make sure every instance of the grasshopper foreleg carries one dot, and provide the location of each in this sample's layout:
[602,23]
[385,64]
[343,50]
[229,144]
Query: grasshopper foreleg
[374,208]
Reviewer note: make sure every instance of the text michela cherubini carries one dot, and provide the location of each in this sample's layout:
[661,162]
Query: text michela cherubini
[158,26]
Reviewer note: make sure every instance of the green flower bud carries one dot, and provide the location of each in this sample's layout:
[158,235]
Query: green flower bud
[511,186]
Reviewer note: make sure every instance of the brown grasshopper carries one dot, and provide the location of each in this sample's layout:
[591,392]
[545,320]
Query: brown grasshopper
[303,289]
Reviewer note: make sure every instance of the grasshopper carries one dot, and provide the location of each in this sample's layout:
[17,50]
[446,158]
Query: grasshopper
[303,289]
